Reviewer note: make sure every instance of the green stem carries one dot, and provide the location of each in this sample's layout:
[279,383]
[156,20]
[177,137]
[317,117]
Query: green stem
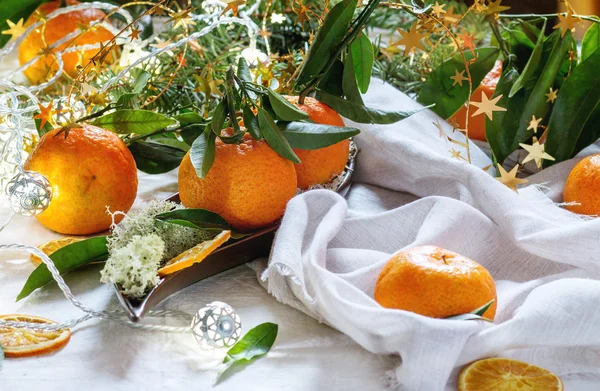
[494,25]
[145,136]
[524,16]
[96,114]
[355,28]
[229,83]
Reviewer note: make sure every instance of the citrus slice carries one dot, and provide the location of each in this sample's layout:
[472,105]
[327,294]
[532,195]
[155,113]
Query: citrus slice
[503,374]
[22,342]
[194,255]
[52,246]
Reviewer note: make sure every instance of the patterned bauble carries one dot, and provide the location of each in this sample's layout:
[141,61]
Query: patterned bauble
[217,325]
[29,193]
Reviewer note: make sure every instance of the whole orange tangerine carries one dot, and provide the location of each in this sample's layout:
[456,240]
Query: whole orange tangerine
[477,123]
[435,282]
[249,184]
[319,166]
[54,30]
[89,169]
[583,187]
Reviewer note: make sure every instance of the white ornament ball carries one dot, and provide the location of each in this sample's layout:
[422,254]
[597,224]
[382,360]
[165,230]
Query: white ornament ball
[29,193]
[217,325]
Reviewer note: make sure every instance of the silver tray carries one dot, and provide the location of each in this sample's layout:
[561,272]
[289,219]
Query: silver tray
[230,255]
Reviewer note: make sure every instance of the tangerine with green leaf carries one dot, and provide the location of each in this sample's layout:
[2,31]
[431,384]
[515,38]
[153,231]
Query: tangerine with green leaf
[477,124]
[249,184]
[319,166]
[90,169]
[435,282]
[37,42]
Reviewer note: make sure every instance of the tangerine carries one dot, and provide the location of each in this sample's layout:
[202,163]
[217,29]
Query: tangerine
[25,342]
[477,123]
[90,169]
[435,282]
[582,187]
[248,184]
[319,166]
[55,29]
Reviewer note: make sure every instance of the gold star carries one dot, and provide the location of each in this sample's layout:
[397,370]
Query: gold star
[478,6]
[438,9]
[450,16]
[410,39]
[536,153]
[98,98]
[302,12]
[534,123]
[15,30]
[458,77]
[45,115]
[467,41]
[567,22]
[487,106]
[455,154]
[135,33]
[181,18]
[440,129]
[510,179]
[181,60]
[233,5]
[264,33]
[495,7]
[552,95]
[207,85]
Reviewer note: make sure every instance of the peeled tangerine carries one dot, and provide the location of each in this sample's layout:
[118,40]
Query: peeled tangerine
[435,282]
[248,184]
[319,166]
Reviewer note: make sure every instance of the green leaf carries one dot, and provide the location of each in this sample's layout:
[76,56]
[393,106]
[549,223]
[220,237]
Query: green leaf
[332,80]
[256,343]
[140,79]
[363,114]
[283,109]
[42,131]
[307,135]
[474,315]
[590,132]
[134,121]
[577,100]
[591,41]
[202,153]
[532,65]
[363,58]
[274,137]
[66,259]
[448,96]
[198,218]
[14,10]
[251,123]
[501,130]
[218,118]
[349,83]
[171,142]
[154,158]
[331,33]
[243,71]
[190,118]
[536,103]
[191,132]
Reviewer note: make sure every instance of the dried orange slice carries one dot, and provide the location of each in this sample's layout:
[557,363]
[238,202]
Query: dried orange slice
[22,342]
[194,255]
[52,246]
[503,374]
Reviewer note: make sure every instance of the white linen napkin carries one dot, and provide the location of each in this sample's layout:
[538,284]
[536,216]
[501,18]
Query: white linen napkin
[407,191]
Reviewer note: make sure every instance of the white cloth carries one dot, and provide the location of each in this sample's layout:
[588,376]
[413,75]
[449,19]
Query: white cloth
[545,260]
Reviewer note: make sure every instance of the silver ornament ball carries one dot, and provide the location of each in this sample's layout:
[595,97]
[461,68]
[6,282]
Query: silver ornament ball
[29,193]
[217,325]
